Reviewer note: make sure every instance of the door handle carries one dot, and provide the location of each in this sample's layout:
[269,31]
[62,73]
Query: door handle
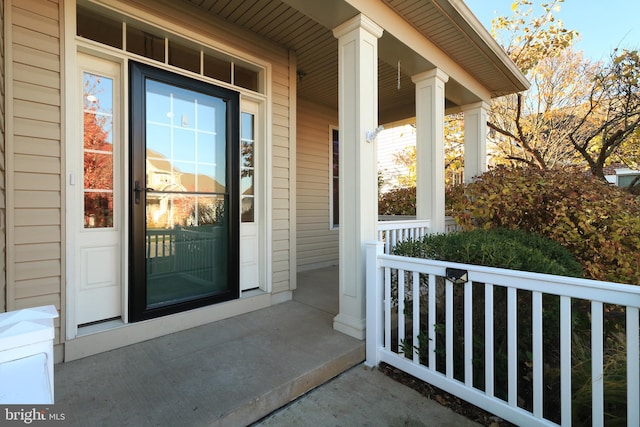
[138,189]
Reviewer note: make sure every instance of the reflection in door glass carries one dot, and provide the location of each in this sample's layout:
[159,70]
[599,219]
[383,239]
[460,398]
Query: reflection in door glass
[186,259]
[98,150]
[247,167]
[186,199]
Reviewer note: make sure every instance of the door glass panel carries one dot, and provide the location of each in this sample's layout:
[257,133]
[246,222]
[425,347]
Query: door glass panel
[186,249]
[98,150]
[247,167]
[186,199]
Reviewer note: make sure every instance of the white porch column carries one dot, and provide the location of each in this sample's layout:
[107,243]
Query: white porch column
[475,139]
[430,147]
[358,113]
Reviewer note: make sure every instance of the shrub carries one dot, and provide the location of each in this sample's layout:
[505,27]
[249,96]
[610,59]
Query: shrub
[399,201]
[503,248]
[598,223]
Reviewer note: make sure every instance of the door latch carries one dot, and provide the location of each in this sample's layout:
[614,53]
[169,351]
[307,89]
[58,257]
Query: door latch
[138,189]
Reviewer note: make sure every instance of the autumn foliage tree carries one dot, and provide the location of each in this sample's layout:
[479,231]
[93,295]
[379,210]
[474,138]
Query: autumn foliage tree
[576,111]
[598,223]
[98,160]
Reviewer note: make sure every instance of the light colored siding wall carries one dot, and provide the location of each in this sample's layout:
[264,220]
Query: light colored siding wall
[280,180]
[35,244]
[317,245]
[3,281]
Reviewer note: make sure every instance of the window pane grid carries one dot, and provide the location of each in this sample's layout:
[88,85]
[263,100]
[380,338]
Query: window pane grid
[141,40]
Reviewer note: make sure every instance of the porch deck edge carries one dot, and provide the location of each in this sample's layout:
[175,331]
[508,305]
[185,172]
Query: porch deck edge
[259,407]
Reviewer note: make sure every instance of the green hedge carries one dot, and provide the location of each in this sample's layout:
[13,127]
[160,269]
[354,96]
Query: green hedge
[503,248]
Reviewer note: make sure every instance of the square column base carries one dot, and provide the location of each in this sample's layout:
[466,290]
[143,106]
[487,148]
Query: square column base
[351,326]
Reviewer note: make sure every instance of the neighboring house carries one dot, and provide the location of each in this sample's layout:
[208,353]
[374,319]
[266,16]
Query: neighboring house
[163,120]
[620,175]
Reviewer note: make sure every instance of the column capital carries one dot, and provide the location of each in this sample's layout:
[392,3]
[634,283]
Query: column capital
[476,105]
[358,21]
[435,73]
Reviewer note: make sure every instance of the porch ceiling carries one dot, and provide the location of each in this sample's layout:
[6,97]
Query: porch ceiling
[305,27]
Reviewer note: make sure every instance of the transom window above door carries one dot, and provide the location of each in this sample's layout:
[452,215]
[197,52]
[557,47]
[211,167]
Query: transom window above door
[147,41]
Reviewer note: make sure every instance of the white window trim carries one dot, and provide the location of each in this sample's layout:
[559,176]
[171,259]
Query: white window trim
[73,44]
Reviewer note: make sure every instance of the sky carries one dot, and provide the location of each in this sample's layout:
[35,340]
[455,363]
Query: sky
[602,24]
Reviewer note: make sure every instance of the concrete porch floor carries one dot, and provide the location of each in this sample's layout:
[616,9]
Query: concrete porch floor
[236,371]
[231,372]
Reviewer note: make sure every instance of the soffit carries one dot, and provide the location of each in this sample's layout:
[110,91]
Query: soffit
[305,26]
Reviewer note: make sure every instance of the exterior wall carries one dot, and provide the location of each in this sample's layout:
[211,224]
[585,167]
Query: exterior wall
[3,282]
[281,180]
[35,184]
[33,153]
[317,245]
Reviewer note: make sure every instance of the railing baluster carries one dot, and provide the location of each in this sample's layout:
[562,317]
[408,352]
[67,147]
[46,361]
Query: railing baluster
[512,342]
[565,360]
[449,327]
[539,285]
[387,308]
[488,339]
[633,368]
[401,334]
[536,327]
[432,322]
[597,357]
[468,334]
[416,315]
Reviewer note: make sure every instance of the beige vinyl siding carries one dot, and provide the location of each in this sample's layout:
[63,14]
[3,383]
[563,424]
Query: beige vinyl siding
[317,245]
[36,271]
[3,281]
[280,215]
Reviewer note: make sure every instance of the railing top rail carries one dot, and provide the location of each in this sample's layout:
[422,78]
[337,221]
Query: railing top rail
[392,225]
[606,292]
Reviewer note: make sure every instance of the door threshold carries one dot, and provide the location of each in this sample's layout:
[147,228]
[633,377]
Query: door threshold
[95,327]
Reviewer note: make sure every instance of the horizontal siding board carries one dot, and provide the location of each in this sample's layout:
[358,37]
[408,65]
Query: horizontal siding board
[281,214]
[35,181]
[280,151]
[37,269]
[37,234]
[36,93]
[281,265]
[36,146]
[35,76]
[37,252]
[280,183]
[36,129]
[36,19]
[36,58]
[31,217]
[281,256]
[37,301]
[45,9]
[41,164]
[38,287]
[33,39]
[37,199]
[36,111]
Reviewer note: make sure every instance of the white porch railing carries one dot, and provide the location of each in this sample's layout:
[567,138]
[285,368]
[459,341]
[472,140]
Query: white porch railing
[414,325]
[392,232]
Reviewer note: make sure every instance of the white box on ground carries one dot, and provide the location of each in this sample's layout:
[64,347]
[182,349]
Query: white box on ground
[26,356]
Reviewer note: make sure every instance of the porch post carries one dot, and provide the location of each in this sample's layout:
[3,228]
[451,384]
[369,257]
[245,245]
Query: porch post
[430,147]
[475,139]
[358,114]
